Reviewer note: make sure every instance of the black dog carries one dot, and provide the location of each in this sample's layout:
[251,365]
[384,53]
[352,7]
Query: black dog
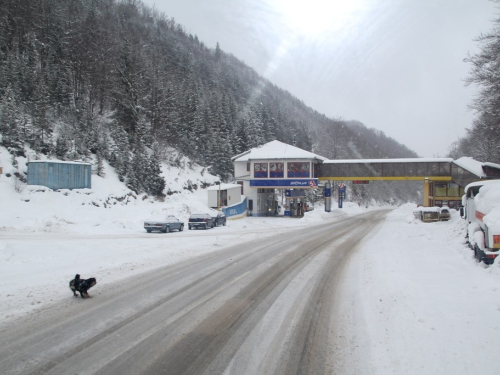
[82,286]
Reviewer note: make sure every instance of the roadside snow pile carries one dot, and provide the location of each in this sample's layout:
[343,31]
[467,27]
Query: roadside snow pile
[417,302]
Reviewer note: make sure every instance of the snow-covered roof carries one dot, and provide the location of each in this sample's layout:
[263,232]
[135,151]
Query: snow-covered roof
[224,187]
[400,160]
[474,166]
[276,150]
[428,209]
[60,162]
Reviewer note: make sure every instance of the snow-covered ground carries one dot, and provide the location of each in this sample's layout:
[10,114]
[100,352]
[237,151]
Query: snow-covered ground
[415,301]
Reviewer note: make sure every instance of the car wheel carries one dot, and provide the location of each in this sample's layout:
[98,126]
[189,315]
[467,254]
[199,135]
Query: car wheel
[167,230]
[148,230]
[206,226]
[224,224]
[181,228]
[189,227]
[477,254]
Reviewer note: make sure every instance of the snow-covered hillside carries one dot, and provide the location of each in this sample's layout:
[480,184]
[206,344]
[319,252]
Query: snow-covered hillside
[108,205]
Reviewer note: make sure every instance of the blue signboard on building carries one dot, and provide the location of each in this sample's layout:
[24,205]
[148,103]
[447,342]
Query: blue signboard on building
[289,183]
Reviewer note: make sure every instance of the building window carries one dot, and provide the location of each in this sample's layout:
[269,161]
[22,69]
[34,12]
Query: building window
[453,190]
[276,170]
[248,167]
[299,169]
[398,169]
[440,190]
[260,170]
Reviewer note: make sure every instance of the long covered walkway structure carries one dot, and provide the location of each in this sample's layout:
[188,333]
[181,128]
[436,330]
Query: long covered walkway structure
[443,178]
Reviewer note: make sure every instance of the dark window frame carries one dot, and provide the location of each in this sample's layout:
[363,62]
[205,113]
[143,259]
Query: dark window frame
[263,171]
[279,172]
[296,169]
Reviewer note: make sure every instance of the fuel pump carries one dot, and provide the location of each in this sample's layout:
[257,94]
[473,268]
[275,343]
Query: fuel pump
[328,197]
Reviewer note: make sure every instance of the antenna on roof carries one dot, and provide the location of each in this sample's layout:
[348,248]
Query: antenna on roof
[294,141]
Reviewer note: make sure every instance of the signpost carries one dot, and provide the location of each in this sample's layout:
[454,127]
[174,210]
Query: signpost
[341,194]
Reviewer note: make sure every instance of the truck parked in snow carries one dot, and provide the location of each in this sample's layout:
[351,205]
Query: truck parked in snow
[481,210]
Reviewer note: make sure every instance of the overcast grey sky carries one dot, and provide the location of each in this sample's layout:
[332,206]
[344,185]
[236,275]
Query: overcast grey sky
[394,65]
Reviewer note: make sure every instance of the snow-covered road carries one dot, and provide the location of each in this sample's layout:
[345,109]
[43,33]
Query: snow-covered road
[260,307]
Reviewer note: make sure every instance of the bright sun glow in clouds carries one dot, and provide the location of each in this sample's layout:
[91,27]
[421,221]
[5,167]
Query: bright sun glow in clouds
[314,17]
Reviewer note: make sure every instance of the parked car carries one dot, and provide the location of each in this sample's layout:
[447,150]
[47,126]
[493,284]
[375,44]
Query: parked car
[220,219]
[427,214]
[170,223]
[203,221]
[444,214]
[481,211]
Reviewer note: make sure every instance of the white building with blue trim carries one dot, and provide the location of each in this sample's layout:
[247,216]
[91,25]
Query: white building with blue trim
[276,165]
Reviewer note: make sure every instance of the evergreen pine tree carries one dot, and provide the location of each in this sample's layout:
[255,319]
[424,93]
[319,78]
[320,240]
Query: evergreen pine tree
[9,123]
[126,94]
[154,182]
[134,181]
[61,146]
[100,165]
[119,157]
[42,126]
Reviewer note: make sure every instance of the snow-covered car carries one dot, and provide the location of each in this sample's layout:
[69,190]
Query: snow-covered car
[444,214]
[482,212]
[170,223]
[427,214]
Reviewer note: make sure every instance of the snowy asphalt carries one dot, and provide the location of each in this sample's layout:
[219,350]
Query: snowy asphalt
[253,308]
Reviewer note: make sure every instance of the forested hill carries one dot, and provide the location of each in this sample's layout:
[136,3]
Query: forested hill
[118,80]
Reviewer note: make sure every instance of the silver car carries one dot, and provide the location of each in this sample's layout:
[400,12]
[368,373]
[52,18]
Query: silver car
[170,223]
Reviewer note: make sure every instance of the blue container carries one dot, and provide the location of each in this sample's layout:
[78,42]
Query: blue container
[60,174]
[287,213]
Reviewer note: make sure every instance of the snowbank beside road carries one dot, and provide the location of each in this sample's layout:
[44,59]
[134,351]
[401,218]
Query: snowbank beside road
[417,302]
